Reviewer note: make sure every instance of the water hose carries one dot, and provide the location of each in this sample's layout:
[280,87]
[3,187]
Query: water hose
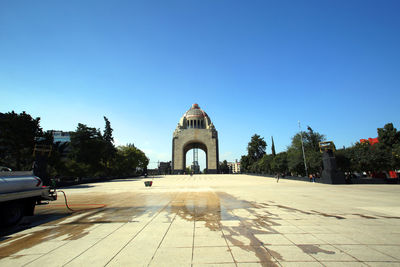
[69,208]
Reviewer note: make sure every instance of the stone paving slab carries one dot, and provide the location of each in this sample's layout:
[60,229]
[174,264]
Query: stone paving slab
[211,220]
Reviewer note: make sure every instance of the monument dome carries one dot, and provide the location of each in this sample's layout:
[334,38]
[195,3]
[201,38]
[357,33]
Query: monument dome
[195,117]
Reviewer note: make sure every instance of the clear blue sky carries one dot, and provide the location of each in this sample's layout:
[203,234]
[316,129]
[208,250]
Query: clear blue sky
[253,66]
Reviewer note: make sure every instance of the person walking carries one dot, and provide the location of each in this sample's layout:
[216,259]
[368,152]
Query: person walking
[277,177]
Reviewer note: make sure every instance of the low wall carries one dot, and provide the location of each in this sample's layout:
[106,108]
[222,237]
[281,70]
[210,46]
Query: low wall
[77,181]
[363,180]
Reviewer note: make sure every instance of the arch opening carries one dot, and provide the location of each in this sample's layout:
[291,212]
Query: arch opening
[190,147]
[195,160]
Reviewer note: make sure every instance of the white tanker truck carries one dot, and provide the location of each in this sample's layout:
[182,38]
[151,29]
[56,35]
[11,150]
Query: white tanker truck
[20,192]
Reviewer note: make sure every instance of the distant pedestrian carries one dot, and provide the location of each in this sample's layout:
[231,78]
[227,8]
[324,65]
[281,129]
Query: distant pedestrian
[277,177]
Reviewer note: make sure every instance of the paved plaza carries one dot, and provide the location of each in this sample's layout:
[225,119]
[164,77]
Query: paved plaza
[211,220]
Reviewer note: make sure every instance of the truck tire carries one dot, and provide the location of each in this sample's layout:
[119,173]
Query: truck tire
[11,213]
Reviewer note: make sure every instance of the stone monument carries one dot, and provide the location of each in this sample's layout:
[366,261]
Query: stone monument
[330,174]
[195,130]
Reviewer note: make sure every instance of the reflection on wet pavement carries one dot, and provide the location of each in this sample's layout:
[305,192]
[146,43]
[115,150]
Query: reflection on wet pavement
[208,207]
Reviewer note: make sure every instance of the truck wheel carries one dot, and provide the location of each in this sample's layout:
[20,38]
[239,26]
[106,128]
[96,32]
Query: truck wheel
[11,214]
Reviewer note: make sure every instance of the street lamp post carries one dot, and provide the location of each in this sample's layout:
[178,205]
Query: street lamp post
[302,147]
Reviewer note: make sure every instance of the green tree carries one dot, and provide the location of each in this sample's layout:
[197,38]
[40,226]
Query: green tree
[396,156]
[311,140]
[256,148]
[58,158]
[295,161]
[109,148]
[265,163]
[255,151]
[223,167]
[372,158]
[87,149]
[273,147]
[255,167]
[388,135]
[245,163]
[279,163]
[389,141]
[343,159]
[130,160]
[314,161]
[17,139]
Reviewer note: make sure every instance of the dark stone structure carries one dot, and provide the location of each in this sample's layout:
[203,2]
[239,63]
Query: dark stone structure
[164,168]
[331,174]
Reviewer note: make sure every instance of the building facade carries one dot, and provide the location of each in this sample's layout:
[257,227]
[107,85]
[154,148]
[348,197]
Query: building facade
[234,167]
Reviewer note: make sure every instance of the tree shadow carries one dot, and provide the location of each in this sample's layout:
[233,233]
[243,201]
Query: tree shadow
[140,178]
[78,186]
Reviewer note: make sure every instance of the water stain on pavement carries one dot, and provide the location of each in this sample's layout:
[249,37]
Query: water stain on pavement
[212,208]
[389,217]
[364,216]
[313,249]
[198,206]
[247,218]
[329,215]
[313,212]
[20,242]
[76,225]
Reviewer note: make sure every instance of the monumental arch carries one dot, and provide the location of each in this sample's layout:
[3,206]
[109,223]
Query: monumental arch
[195,130]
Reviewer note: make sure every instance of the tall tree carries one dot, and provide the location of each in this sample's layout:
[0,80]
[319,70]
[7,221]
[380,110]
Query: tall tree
[17,139]
[107,134]
[273,147]
[87,146]
[109,149]
[389,141]
[311,141]
[256,148]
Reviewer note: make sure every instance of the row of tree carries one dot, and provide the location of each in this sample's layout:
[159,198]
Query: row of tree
[361,157]
[90,152]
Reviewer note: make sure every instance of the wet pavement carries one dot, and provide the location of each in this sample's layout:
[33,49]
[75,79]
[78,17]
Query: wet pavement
[211,220]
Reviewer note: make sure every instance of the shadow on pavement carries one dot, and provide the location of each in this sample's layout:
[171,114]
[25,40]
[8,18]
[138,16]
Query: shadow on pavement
[76,186]
[29,222]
